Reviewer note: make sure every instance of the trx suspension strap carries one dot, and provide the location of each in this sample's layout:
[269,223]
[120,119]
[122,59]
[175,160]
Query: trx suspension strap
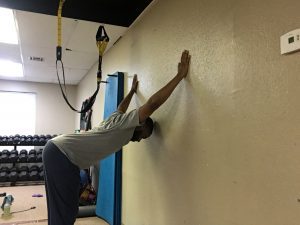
[102,40]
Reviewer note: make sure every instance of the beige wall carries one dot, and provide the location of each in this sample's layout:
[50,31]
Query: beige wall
[53,116]
[226,147]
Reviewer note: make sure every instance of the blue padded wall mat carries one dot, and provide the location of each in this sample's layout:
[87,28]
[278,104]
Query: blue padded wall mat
[110,177]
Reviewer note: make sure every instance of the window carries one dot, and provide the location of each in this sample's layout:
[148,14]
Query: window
[18,113]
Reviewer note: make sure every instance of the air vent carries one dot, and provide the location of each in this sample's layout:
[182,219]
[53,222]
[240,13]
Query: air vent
[36,59]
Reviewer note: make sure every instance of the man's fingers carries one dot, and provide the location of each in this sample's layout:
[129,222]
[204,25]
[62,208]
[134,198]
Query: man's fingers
[185,56]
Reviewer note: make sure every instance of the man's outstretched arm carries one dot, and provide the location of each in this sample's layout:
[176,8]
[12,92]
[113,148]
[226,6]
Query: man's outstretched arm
[156,100]
[123,106]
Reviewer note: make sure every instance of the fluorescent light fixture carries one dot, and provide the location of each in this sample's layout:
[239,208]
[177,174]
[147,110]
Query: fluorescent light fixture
[10,69]
[8,28]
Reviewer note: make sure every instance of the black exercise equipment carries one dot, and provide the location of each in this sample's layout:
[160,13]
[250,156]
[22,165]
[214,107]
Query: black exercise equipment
[42,141]
[13,157]
[23,156]
[35,136]
[4,140]
[48,136]
[22,140]
[42,136]
[4,174]
[86,211]
[41,175]
[23,173]
[16,139]
[13,174]
[28,141]
[5,156]
[34,173]
[39,155]
[10,140]
[31,156]
[35,141]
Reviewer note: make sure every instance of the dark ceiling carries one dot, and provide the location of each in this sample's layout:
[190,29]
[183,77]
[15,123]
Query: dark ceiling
[114,12]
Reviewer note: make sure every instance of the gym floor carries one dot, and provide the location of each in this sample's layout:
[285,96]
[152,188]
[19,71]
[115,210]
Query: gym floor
[23,200]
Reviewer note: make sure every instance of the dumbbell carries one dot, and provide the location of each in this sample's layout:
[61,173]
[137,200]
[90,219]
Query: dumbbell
[34,173]
[13,174]
[28,141]
[5,156]
[39,155]
[42,141]
[10,140]
[42,136]
[23,156]
[4,140]
[31,156]
[16,139]
[41,175]
[4,174]
[35,140]
[22,139]
[41,168]
[23,173]
[48,136]
[13,157]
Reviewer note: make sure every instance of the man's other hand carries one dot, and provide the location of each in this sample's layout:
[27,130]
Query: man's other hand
[183,66]
[135,83]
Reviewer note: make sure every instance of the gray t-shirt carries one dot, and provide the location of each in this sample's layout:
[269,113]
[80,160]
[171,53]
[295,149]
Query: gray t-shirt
[87,148]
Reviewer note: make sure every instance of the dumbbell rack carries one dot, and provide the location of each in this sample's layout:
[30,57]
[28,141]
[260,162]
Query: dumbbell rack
[18,163]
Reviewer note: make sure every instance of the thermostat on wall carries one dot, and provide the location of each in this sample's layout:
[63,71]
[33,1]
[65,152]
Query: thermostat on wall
[290,42]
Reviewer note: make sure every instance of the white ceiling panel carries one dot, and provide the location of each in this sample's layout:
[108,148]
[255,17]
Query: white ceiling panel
[79,60]
[38,38]
[41,30]
[10,52]
[48,55]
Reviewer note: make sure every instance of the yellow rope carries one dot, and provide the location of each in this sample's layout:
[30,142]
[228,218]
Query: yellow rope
[61,2]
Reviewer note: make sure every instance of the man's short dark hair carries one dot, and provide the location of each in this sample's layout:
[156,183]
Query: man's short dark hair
[149,123]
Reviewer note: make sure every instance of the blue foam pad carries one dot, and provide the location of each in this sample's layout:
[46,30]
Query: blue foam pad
[110,177]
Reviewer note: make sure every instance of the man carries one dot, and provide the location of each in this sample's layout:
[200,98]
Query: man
[65,155]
